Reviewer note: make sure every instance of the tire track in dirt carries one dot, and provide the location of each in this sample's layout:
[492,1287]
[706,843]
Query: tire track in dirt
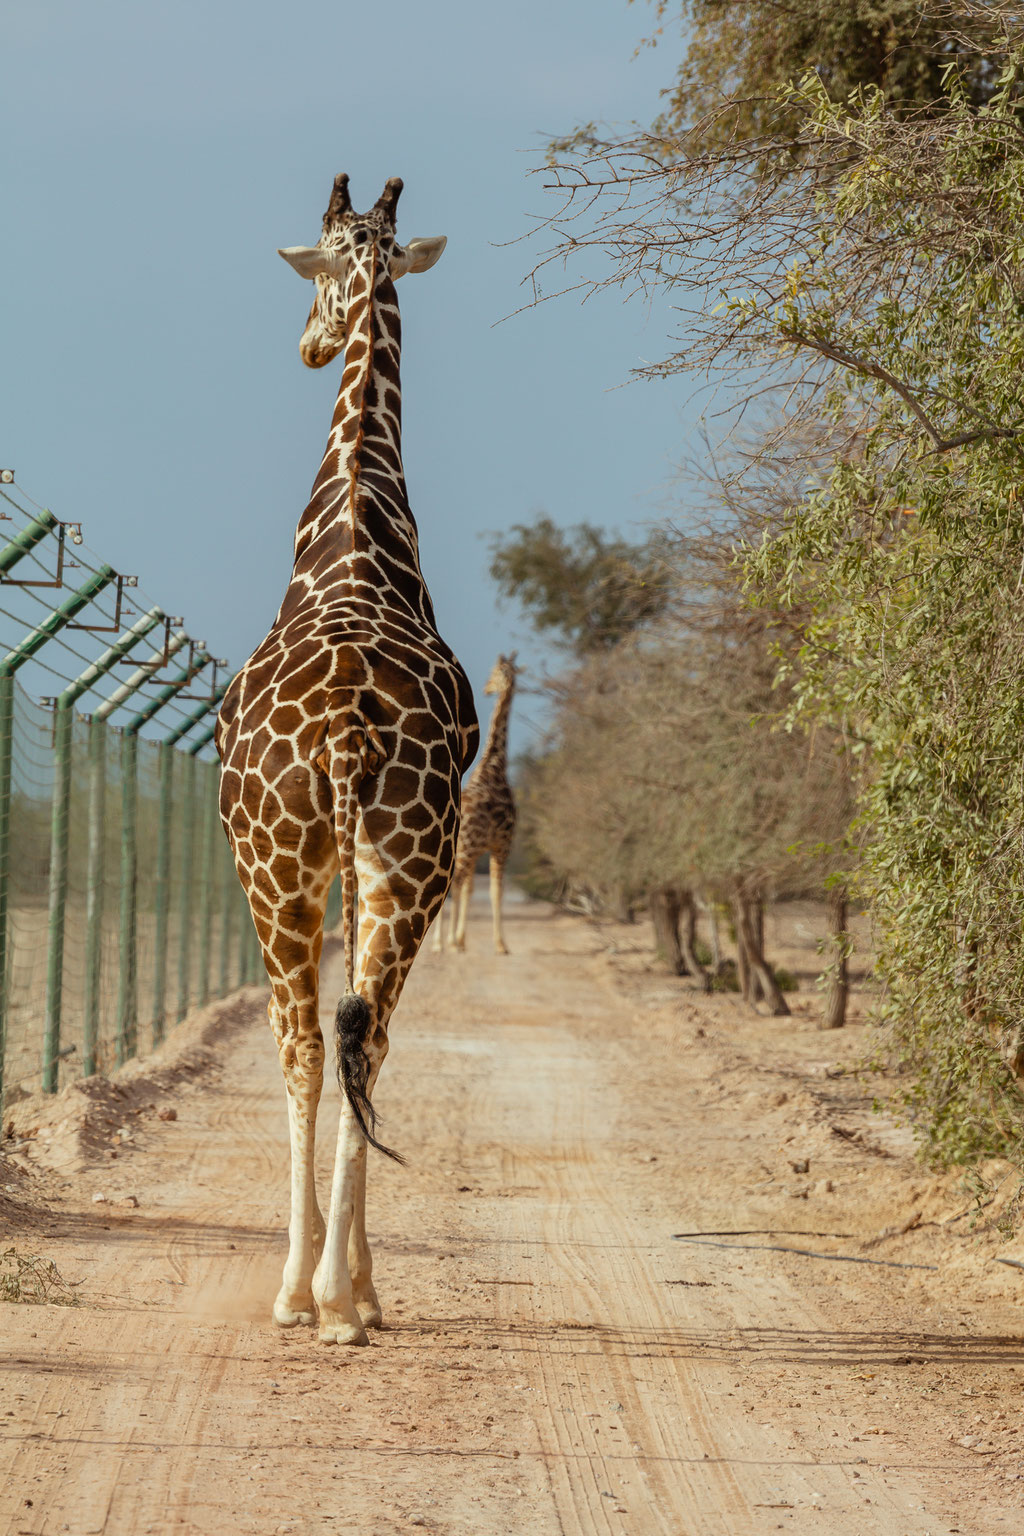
[539,1375]
[633,1417]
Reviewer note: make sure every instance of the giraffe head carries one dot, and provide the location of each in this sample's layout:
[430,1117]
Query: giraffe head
[503,675]
[351,247]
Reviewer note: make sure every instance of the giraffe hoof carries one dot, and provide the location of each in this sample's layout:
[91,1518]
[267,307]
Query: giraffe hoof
[290,1317]
[342,1333]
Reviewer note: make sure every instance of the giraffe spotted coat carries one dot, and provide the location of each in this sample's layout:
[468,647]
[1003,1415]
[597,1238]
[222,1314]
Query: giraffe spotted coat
[488,814]
[343,741]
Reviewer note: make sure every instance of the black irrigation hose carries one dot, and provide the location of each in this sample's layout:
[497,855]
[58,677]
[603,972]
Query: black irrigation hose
[837,1258]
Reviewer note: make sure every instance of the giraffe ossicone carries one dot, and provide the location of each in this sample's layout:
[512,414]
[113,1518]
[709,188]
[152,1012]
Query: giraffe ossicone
[343,741]
[488,820]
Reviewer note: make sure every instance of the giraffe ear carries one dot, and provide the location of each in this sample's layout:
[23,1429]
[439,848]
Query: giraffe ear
[308,260]
[417,256]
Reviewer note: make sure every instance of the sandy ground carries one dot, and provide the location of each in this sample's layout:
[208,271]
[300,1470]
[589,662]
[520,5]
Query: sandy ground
[555,1360]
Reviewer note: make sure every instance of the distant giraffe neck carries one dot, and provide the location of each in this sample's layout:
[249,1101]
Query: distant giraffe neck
[495,752]
[359,504]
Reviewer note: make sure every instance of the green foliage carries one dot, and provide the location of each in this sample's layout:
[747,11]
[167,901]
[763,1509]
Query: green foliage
[908,561]
[587,587]
[748,51]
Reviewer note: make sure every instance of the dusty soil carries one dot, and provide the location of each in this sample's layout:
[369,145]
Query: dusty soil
[556,1360]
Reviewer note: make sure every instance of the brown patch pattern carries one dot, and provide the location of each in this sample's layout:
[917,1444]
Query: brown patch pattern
[345,735]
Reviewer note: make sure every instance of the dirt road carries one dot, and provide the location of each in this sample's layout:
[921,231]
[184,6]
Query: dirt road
[555,1361]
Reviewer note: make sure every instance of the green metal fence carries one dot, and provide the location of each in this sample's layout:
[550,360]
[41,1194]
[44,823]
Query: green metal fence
[119,905]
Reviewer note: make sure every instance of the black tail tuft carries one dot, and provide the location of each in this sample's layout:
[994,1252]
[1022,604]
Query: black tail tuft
[351,1024]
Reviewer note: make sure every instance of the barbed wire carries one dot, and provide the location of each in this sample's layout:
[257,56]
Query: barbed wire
[63,659]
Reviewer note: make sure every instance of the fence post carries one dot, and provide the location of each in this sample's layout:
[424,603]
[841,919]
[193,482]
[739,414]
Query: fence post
[209,828]
[94,892]
[127,1038]
[210,817]
[162,891]
[188,775]
[6,746]
[186,904]
[63,725]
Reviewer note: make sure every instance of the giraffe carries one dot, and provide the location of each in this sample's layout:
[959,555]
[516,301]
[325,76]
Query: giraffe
[343,741]
[488,814]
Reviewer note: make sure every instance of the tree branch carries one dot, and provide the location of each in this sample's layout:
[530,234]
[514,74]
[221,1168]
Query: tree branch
[871,370]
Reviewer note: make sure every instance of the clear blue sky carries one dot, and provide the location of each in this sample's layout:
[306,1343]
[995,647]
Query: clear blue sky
[156,156]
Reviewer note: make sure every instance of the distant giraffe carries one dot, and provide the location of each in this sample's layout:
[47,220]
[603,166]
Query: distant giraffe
[488,815]
[343,741]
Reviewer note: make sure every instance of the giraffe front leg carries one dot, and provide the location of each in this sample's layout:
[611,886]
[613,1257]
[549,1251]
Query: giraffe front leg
[340,1319]
[497,883]
[303,1080]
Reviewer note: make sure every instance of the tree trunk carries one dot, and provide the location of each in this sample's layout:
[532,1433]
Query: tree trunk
[761,976]
[837,993]
[742,954]
[688,941]
[664,903]
[715,937]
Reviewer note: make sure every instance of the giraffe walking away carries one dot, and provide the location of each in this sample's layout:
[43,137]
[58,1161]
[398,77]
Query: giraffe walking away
[343,741]
[488,815]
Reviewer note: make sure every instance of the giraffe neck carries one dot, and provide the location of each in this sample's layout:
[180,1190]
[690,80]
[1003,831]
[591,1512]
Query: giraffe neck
[359,504]
[495,752]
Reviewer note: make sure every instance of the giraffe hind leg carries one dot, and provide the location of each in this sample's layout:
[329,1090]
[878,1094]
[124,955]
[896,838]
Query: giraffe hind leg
[288,909]
[342,1284]
[437,933]
[294,1017]
[497,886]
[459,917]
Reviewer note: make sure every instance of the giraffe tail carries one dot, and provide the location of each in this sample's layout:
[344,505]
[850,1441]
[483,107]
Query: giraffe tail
[359,752]
[352,1024]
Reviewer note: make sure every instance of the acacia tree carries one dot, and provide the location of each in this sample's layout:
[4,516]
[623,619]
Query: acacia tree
[881,288]
[749,51]
[587,587]
[665,772]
